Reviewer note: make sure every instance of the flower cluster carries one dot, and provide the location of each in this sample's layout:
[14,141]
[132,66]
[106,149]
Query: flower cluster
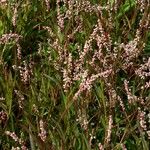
[109,130]
[60,17]
[25,71]
[144,70]
[7,37]
[142,119]
[131,98]
[15,15]
[20,98]
[82,119]
[3,116]
[47,5]
[16,139]
[42,133]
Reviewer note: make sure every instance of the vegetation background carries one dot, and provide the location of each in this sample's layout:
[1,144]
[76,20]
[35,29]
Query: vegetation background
[74,74]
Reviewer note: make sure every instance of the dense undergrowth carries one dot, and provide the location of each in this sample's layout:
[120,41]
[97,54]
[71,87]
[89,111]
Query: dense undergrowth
[74,74]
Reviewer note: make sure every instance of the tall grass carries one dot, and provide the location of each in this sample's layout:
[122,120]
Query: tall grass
[75,75]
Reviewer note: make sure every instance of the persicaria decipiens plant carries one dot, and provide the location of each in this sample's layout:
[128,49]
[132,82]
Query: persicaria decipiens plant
[89,60]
